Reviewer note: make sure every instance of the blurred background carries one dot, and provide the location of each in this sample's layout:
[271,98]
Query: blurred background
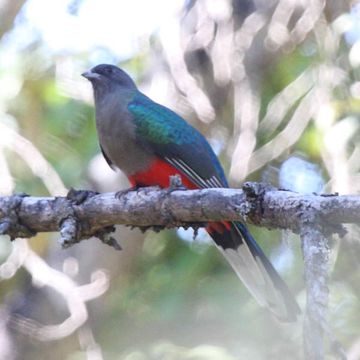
[274,86]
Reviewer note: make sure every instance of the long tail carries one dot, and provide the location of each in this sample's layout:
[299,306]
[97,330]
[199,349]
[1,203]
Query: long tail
[254,269]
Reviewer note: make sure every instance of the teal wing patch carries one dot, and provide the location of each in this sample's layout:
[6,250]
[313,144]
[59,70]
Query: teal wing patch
[173,139]
[159,124]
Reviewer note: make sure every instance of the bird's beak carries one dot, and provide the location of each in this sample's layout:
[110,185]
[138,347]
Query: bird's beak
[90,75]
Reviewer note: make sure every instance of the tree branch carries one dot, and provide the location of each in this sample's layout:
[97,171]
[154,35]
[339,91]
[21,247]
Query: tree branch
[83,216]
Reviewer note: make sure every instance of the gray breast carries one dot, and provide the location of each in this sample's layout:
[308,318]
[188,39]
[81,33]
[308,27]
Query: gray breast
[116,132]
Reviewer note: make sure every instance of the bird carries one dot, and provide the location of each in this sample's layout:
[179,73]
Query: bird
[150,143]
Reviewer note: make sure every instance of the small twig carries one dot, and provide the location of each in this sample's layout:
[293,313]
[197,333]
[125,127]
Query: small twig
[69,232]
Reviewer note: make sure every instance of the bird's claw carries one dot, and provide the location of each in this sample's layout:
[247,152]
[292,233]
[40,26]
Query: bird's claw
[175,184]
[136,188]
[79,196]
[121,193]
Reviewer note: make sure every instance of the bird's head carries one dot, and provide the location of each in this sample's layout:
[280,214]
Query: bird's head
[106,77]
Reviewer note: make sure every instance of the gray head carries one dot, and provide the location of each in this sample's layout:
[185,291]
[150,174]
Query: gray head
[106,78]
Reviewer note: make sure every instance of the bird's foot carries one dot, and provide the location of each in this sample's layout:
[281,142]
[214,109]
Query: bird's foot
[136,188]
[175,184]
[328,195]
[121,193]
[79,196]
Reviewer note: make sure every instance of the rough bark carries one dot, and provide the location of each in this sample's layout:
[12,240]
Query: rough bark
[83,214]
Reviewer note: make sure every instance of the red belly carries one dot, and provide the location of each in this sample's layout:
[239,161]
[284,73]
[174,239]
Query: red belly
[158,174]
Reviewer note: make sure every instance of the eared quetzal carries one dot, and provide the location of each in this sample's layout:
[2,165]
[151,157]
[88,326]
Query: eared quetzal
[149,142]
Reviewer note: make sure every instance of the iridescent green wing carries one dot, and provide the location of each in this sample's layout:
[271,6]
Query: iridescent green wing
[174,140]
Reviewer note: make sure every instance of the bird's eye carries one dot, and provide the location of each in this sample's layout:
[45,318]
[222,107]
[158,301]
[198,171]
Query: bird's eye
[108,70]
